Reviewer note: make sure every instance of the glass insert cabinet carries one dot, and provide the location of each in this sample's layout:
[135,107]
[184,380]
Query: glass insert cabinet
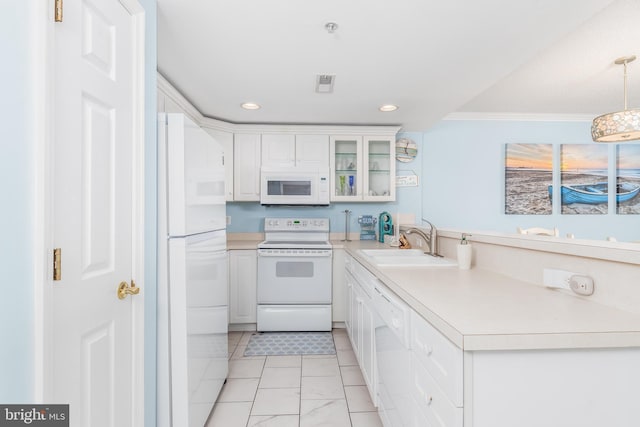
[363,168]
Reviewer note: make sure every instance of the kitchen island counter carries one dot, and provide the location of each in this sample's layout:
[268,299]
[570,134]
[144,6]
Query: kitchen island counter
[479,309]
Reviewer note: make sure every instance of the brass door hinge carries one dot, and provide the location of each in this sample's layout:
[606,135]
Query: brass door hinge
[58,10]
[57,264]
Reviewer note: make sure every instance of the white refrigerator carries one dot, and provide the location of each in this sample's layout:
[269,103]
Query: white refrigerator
[192,356]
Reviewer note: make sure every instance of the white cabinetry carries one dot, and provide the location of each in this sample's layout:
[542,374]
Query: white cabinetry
[312,151]
[363,168]
[360,323]
[586,387]
[246,167]
[339,295]
[288,150]
[437,368]
[226,139]
[278,150]
[243,277]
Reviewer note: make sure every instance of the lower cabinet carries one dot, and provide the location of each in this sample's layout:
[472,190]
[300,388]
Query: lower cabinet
[360,327]
[449,387]
[243,278]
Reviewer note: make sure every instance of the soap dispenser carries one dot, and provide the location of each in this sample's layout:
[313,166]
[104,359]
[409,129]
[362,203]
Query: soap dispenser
[385,226]
[465,251]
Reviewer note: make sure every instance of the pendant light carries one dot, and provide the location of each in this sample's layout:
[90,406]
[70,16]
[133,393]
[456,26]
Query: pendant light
[622,125]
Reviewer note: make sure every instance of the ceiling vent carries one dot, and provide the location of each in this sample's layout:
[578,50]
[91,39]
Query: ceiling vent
[324,83]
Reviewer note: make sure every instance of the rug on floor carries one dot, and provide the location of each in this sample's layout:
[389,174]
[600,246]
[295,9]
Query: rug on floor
[284,343]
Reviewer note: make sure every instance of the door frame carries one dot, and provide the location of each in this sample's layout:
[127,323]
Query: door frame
[42,57]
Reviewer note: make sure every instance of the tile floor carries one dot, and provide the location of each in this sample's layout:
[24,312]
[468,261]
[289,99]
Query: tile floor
[294,391]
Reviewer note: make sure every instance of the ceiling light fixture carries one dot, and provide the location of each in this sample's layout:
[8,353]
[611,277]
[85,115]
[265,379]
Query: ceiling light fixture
[619,126]
[250,106]
[331,27]
[388,107]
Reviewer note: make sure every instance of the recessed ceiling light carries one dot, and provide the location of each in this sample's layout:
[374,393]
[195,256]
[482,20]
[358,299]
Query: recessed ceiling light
[388,107]
[250,106]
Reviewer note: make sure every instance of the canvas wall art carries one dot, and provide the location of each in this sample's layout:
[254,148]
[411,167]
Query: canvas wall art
[584,172]
[528,174]
[628,179]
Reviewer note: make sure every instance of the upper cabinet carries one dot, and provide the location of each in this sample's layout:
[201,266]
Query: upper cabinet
[226,139]
[246,167]
[363,168]
[312,151]
[288,150]
[380,168]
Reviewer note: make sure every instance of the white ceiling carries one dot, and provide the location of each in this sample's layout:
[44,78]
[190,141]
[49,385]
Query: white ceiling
[431,58]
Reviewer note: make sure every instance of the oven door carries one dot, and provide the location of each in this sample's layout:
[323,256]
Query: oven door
[294,276]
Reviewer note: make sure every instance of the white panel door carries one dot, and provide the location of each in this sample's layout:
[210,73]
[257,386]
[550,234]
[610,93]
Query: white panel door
[243,278]
[278,151]
[312,151]
[92,361]
[246,167]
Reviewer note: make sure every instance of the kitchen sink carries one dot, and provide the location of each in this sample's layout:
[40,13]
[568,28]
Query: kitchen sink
[392,252]
[405,258]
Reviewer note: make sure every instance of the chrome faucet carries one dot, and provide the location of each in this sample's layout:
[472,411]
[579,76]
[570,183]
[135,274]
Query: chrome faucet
[431,238]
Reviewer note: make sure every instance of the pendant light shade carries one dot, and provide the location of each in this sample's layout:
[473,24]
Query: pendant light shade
[619,126]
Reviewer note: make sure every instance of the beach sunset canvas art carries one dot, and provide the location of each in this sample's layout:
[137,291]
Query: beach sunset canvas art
[584,172]
[628,179]
[528,173]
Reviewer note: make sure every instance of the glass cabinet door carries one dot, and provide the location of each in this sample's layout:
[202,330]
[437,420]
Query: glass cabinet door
[380,165]
[346,167]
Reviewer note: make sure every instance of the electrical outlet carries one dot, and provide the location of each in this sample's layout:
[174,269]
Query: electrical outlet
[228,219]
[581,284]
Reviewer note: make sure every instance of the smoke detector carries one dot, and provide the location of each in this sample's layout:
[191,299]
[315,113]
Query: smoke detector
[324,83]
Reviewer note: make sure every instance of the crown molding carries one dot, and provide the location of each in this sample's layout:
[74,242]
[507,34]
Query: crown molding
[520,117]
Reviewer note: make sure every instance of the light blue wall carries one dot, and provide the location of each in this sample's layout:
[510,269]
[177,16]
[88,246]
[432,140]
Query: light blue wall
[464,178]
[16,216]
[247,217]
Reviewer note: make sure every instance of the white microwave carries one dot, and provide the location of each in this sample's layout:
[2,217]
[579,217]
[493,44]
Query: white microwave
[294,186]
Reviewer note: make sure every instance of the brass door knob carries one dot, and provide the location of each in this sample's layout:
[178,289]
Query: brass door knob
[124,289]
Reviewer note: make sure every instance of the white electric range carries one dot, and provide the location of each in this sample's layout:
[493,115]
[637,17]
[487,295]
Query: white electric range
[294,275]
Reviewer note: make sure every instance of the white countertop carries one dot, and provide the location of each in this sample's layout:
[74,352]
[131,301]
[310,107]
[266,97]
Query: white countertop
[483,310]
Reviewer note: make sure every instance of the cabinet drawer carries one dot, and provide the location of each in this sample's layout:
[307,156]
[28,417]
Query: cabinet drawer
[439,356]
[432,403]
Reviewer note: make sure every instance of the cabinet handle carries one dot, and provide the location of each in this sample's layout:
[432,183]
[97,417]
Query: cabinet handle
[429,399]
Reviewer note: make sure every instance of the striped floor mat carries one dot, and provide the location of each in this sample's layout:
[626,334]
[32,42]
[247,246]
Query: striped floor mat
[283,343]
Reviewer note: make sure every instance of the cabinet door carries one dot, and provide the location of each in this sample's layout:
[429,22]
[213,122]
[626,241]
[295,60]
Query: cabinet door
[243,275]
[246,167]
[312,151]
[339,293]
[350,305]
[367,349]
[226,139]
[278,150]
[379,169]
[346,168]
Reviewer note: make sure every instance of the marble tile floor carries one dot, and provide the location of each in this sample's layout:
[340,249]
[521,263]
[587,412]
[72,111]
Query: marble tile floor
[294,391]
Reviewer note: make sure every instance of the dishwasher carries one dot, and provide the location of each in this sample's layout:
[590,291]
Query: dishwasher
[392,337]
